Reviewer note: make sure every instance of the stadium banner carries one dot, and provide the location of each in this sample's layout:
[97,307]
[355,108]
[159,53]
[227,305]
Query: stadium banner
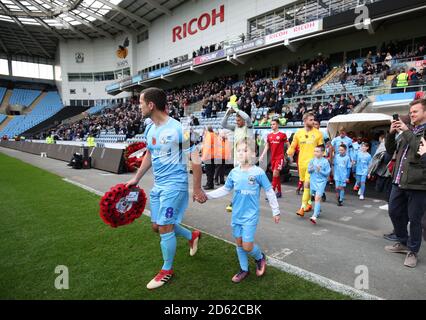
[246,46]
[209,57]
[181,65]
[126,82]
[158,72]
[123,52]
[112,87]
[296,31]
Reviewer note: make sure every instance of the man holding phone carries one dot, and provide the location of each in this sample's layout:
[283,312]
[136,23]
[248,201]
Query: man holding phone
[407,201]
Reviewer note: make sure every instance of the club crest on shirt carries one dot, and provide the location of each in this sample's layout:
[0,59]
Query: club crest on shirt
[166,139]
[251,179]
[154,141]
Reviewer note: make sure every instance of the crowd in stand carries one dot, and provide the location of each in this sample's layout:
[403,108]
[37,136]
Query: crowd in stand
[124,119]
[206,50]
[381,63]
[257,90]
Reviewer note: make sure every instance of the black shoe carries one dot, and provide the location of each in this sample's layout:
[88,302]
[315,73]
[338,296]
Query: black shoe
[216,183]
[324,198]
[222,182]
[339,203]
[390,236]
[208,187]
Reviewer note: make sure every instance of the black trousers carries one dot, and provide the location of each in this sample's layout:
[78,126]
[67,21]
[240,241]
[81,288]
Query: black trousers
[219,174]
[407,206]
[210,173]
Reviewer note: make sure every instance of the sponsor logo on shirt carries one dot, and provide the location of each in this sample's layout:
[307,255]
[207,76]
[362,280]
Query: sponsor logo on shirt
[248,192]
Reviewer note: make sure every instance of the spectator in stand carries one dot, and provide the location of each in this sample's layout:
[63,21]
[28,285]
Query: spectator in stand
[388,61]
[402,80]
[194,121]
[354,67]
[413,80]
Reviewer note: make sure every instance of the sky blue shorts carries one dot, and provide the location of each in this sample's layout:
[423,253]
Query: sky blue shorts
[340,183]
[168,206]
[246,232]
[318,191]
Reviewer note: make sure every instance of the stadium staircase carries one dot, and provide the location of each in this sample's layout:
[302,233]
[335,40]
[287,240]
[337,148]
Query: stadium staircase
[5,122]
[333,74]
[75,118]
[5,102]
[35,102]
[197,106]
[55,120]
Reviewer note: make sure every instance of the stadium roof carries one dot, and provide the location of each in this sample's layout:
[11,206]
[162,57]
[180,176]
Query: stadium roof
[33,27]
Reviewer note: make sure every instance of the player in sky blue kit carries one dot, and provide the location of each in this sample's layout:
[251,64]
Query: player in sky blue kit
[342,168]
[342,138]
[166,148]
[246,180]
[362,160]
[319,169]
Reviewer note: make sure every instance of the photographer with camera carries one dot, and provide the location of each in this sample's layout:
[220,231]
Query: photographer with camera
[407,202]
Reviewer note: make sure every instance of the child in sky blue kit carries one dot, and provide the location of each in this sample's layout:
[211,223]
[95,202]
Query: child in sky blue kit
[342,169]
[246,181]
[362,161]
[319,168]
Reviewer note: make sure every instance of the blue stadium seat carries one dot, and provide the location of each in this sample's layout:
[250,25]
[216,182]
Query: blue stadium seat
[23,97]
[47,107]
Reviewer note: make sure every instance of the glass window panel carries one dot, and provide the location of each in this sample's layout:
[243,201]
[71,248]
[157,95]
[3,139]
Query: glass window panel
[4,67]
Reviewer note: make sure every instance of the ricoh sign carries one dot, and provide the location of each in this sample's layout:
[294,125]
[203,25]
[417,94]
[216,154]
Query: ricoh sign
[195,25]
[297,31]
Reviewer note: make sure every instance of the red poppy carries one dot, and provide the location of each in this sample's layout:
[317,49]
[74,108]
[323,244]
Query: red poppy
[116,211]
[132,161]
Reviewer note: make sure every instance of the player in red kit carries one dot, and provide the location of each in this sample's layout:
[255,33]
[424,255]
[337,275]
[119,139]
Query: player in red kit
[276,140]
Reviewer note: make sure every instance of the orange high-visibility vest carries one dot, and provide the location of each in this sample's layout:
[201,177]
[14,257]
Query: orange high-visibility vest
[208,146]
[222,148]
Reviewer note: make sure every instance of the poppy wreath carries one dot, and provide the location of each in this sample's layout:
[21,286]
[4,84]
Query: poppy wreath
[132,162]
[116,211]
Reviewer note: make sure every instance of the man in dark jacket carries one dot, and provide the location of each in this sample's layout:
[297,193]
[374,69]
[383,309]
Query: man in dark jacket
[407,202]
[422,153]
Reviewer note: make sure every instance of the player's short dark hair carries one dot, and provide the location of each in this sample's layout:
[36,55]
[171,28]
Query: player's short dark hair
[321,146]
[366,144]
[419,101]
[343,146]
[157,96]
[276,120]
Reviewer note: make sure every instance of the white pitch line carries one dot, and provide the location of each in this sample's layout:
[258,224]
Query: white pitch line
[281,265]
[83,186]
[321,281]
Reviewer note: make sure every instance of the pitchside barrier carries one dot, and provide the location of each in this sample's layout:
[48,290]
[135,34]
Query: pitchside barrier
[102,158]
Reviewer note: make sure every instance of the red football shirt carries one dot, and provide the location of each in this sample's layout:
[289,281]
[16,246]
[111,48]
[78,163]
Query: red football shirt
[276,143]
